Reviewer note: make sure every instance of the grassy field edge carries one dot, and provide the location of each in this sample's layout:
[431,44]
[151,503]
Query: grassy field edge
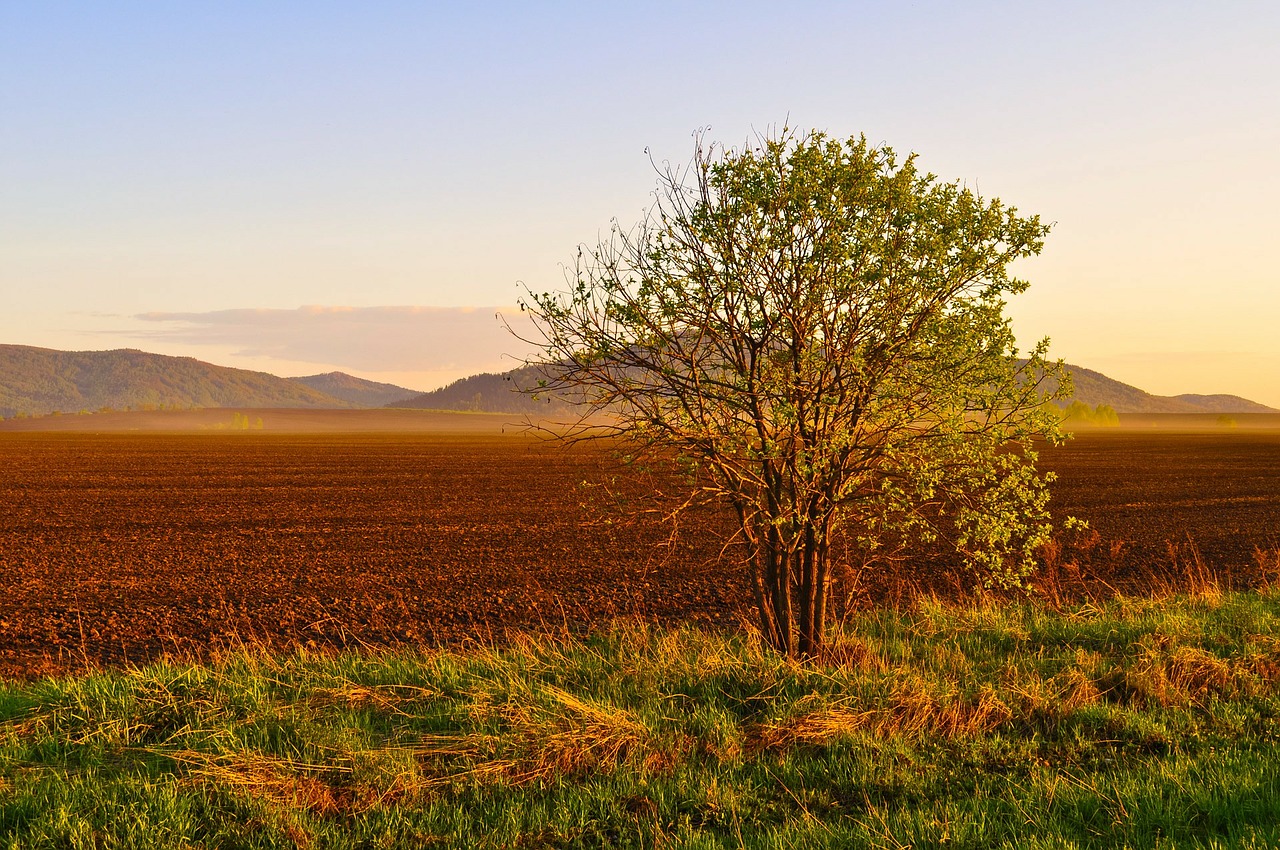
[1134,722]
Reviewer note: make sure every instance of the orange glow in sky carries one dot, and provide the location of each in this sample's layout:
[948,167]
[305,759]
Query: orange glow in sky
[188,180]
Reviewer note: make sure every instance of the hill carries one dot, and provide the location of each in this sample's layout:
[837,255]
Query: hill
[355,390]
[1094,388]
[498,393]
[37,381]
[1223,403]
[489,393]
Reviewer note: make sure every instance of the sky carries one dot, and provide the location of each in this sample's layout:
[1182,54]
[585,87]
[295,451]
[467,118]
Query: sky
[302,187]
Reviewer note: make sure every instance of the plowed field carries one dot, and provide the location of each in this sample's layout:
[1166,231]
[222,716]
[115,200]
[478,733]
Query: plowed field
[122,547]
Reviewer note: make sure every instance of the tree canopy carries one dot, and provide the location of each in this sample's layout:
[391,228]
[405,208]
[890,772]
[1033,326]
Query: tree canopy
[814,329]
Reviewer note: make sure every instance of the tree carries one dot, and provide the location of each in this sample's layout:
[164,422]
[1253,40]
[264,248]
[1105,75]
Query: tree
[1102,415]
[814,332]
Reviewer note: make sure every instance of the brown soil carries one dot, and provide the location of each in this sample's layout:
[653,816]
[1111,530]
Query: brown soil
[1165,507]
[122,547]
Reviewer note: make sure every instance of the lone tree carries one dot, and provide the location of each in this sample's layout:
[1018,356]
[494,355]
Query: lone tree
[813,330]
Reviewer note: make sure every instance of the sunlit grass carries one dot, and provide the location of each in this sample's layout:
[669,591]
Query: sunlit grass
[1134,722]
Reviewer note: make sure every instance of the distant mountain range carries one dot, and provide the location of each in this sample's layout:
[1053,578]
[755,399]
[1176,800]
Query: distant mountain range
[498,394]
[38,381]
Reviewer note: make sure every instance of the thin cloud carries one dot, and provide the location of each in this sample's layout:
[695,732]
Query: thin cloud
[377,339]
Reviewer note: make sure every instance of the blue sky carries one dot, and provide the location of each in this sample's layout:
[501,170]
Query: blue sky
[299,187]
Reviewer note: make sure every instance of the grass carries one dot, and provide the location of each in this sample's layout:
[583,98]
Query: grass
[1129,723]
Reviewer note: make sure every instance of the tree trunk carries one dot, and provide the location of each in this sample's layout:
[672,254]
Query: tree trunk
[780,590]
[807,598]
[817,639]
[761,585]
[813,614]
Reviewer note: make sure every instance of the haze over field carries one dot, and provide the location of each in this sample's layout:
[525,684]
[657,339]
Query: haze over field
[301,189]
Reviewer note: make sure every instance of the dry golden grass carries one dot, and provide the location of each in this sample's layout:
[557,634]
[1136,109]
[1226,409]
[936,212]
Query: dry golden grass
[1076,690]
[552,733]
[915,709]
[286,783]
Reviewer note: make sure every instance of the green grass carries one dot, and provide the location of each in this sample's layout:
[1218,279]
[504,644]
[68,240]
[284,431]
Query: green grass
[1137,723]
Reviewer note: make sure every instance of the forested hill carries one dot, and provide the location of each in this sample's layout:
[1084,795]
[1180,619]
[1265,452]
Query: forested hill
[356,390]
[37,381]
[490,393]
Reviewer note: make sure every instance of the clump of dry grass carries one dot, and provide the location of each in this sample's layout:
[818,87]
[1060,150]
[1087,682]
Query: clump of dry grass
[849,652]
[547,733]
[1175,675]
[1188,574]
[576,735]
[388,698]
[811,725]
[917,709]
[1267,561]
[1076,690]
[914,709]
[280,781]
[1200,676]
